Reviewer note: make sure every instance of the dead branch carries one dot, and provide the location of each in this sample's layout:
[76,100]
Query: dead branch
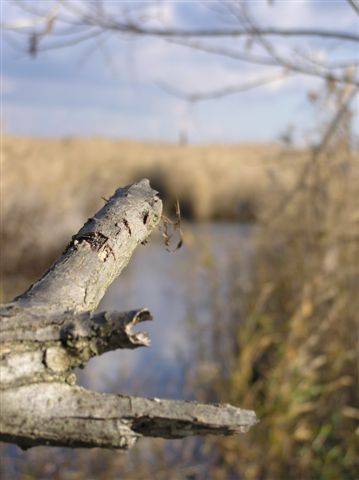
[50,329]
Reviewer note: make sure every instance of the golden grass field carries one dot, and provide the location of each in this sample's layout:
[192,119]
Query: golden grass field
[50,186]
[211,181]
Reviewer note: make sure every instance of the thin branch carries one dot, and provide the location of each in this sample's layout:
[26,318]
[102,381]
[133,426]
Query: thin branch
[355,5]
[95,21]
[249,23]
[316,152]
[221,92]
[175,32]
[106,21]
[322,71]
[225,51]
[69,43]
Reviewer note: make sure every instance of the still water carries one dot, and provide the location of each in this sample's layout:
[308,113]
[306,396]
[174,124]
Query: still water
[169,284]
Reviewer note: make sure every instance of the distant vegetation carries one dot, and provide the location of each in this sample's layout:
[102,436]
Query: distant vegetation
[51,186]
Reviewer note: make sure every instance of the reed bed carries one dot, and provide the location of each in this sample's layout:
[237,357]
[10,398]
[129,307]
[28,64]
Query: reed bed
[293,326]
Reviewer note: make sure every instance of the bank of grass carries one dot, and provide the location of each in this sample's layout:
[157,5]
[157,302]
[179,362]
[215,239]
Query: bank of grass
[212,182]
[294,354]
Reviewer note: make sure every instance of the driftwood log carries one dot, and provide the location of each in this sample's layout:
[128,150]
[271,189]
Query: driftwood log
[51,329]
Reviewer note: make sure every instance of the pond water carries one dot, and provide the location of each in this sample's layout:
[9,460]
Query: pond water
[168,284]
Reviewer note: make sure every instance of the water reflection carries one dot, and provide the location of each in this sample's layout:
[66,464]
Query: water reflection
[168,284]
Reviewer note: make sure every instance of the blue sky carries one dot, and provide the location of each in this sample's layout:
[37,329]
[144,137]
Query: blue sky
[72,92]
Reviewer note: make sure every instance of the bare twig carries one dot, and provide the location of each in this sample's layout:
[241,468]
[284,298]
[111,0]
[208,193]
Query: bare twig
[317,150]
[221,92]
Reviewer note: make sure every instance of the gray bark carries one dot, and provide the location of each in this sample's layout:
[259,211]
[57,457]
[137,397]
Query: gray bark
[51,329]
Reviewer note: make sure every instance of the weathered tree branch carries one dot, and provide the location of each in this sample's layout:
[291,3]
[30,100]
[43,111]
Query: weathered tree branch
[98,253]
[50,346]
[64,415]
[50,330]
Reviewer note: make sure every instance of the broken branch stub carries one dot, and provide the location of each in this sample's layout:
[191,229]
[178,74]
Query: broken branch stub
[50,329]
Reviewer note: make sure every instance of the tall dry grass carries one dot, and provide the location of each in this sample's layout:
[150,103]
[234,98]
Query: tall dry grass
[294,355]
